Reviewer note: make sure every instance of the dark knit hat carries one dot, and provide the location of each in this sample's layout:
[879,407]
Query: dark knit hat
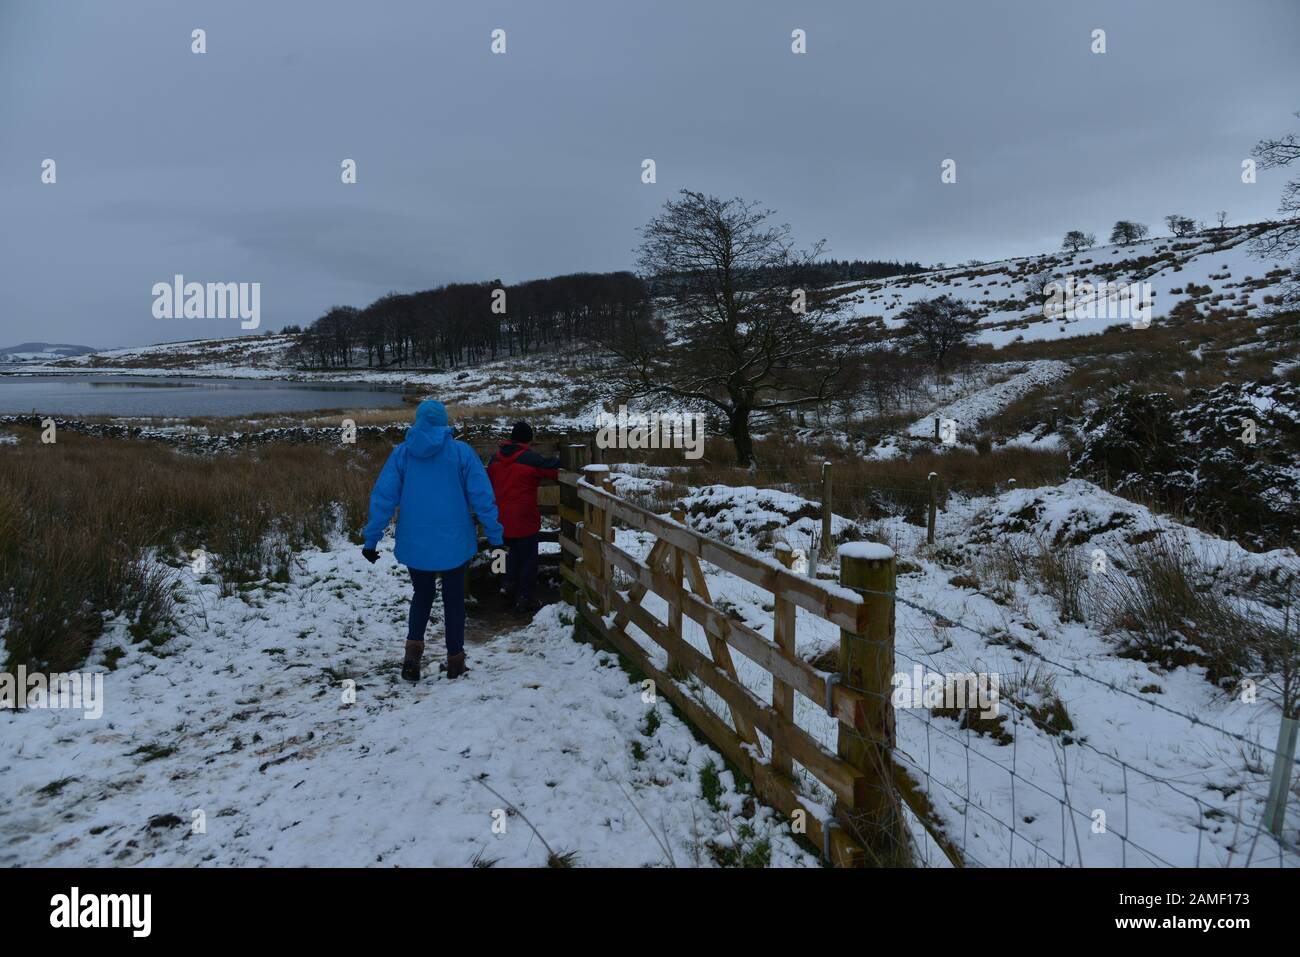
[521,432]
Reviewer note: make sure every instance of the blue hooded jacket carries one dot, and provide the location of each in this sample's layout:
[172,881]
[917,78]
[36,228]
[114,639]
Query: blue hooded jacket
[436,481]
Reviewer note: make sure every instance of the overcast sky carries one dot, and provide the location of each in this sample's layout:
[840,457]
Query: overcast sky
[225,166]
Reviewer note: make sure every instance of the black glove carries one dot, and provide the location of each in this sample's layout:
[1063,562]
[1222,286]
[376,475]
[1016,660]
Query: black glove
[370,555]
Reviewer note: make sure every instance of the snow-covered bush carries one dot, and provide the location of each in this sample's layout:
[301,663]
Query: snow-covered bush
[1228,458]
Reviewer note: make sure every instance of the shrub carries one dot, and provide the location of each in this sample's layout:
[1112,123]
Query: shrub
[1164,605]
[1063,573]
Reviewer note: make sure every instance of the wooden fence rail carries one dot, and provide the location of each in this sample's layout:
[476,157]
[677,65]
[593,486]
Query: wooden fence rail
[867,824]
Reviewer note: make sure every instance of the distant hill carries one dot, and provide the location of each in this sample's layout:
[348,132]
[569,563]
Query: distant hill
[1207,275]
[42,352]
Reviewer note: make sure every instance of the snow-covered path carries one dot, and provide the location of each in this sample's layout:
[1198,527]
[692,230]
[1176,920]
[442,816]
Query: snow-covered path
[243,719]
[970,410]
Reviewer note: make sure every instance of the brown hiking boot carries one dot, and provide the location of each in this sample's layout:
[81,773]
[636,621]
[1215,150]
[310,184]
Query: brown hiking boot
[411,663]
[455,666]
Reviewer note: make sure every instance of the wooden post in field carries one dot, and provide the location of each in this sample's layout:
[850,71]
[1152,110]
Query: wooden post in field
[934,507]
[826,510]
[1052,421]
[936,428]
[783,634]
[867,665]
[594,528]
[572,459]
[606,532]
[677,570]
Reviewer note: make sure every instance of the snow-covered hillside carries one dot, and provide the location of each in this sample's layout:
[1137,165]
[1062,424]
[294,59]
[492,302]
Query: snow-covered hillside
[41,352]
[1212,272]
[1209,273]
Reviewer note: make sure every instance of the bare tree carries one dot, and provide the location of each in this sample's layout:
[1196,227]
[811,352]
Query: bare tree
[1180,225]
[1274,154]
[938,326]
[1036,283]
[1077,239]
[1126,231]
[1222,218]
[737,333]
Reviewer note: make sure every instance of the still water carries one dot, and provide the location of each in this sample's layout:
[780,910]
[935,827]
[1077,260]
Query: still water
[158,396]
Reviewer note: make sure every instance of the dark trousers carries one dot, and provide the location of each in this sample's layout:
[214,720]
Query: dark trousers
[521,568]
[453,605]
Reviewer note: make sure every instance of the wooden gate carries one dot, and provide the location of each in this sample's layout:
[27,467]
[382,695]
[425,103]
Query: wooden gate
[761,738]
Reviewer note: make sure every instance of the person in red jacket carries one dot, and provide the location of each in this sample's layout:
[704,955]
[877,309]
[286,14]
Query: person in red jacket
[515,471]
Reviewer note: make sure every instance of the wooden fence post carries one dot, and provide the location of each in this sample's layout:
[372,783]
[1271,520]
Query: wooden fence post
[594,526]
[867,665]
[677,569]
[1052,421]
[826,510]
[783,634]
[936,428]
[934,507]
[572,459]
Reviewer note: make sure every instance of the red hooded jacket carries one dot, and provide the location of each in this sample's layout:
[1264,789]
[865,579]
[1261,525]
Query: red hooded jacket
[516,471]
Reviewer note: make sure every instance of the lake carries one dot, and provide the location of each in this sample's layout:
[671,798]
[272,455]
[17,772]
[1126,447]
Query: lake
[181,396]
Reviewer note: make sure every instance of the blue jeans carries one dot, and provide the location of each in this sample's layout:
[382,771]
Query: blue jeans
[521,568]
[453,605]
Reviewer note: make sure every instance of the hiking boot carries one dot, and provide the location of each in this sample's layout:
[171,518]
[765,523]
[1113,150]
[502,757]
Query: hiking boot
[454,665]
[411,663]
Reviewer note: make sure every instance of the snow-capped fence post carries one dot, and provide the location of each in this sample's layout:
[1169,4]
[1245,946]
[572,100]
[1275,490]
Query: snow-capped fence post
[1051,424]
[783,625]
[826,510]
[866,663]
[572,459]
[934,508]
[1280,785]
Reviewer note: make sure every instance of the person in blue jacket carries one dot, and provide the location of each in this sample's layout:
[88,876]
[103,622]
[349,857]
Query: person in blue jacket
[438,487]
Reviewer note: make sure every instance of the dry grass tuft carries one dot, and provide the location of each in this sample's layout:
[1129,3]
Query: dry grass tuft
[79,518]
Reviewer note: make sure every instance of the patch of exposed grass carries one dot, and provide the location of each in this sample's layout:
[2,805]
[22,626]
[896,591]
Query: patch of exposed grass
[154,751]
[55,788]
[79,519]
[711,785]
[1167,610]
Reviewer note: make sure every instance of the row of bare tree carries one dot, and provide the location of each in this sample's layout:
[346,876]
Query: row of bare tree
[465,323]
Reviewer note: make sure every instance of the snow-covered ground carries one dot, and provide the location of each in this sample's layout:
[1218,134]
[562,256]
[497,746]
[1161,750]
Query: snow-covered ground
[975,407]
[242,717]
[1227,278]
[1170,790]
